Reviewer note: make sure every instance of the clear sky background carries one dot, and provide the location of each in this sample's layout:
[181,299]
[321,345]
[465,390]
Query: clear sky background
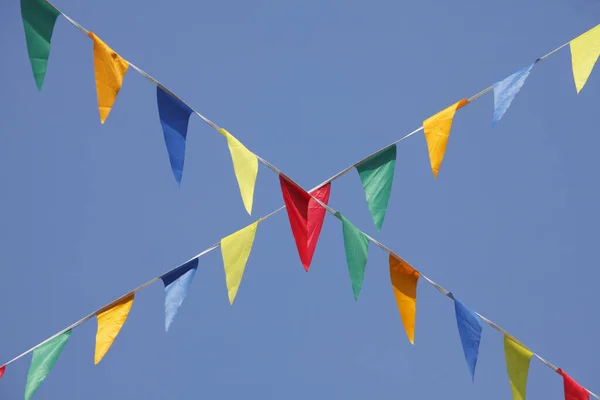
[510,226]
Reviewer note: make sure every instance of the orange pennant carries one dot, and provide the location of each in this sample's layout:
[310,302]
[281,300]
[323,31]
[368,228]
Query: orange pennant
[404,281]
[437,131]
[110,322]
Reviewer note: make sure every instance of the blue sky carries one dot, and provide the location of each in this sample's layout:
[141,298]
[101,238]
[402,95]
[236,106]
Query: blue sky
[90,211]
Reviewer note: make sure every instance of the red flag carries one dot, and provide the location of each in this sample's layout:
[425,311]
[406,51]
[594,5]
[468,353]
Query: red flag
[306,216]
[573,390]
[2,369]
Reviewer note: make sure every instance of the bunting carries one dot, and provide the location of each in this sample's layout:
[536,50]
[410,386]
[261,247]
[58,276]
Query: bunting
[573,390]
[585,50]
[377,174]
[404,282]
[356,245]
[517,365]
[245,165]
[306,216]
[469,328]
[437,130]
[110,70]
[177,283]
[110,323]
[39,19]
[235,250]
[44,358]
[2,370]
[506,90]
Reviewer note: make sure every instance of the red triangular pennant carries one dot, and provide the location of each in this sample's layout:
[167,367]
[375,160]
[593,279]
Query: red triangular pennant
[306,216]
[2,369]
[573,390]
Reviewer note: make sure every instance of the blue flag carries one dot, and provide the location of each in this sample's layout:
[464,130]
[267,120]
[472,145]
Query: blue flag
[469,329]
[177,283]
[174,118]
[506,90]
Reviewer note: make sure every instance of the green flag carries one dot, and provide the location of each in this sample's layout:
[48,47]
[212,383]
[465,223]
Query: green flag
[44,358]
[356,245]
[38,19]
[377,174]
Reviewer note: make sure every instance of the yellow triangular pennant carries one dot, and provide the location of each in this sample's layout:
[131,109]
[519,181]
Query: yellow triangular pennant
[437,130]
[235,249]
[245,165]
[517,365]
[404,281]
[585,50]
[110,322]
[109,69]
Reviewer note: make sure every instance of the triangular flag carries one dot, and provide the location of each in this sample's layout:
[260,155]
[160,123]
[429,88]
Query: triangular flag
[377,174]
[44,358]
[177,283]
[356,245]
[517,365]
[506,90]
[174,117]
[245,165]
[437,129]
[109,69]
[573,390]
[306,216]
[404,281]
[235,250]
[2,370]
[469,328]
[110,322]
[39,19]
[585,50]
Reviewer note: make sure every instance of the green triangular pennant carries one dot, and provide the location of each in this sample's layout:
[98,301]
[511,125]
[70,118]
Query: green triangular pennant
[356,245]
[38,19]
[42,362]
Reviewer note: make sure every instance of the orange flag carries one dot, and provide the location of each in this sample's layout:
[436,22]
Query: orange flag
[110,322]
[109,69]
[404,281]
[437,130]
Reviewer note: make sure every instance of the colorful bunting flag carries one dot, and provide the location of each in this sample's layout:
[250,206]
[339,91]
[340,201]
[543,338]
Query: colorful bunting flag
[109,69]
[573,390]
[306,216]
[44,358]
[174,117]
[177,283]
[469,328]
[2,370]
[518,358]
[585,50]
[437,130]
[377,174]
[110,322]
[356,245]
[245,165]
[404,281]
[235,250]
[506,90]
[39,19]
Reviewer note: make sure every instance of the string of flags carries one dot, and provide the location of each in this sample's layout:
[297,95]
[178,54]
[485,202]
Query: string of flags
[306,211]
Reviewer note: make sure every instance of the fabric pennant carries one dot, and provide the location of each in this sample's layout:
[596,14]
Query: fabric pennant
[44,358]
[437,130]
[2,370]
[356,245]
[585,50]
[469,328]
[177,283]
[110,322]
[174,117]
[573,390]
[404,281]
[306,216]
[506,90]
[109,69]
[235,250]
[518,358]
[39,19]
[245,165]
[377,175]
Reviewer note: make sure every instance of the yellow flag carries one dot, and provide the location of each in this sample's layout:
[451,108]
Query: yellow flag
[404,281]
[109,69]
[235,249]
[437,130]
[245,165]
[517,365]
[109,324]
[585,50]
